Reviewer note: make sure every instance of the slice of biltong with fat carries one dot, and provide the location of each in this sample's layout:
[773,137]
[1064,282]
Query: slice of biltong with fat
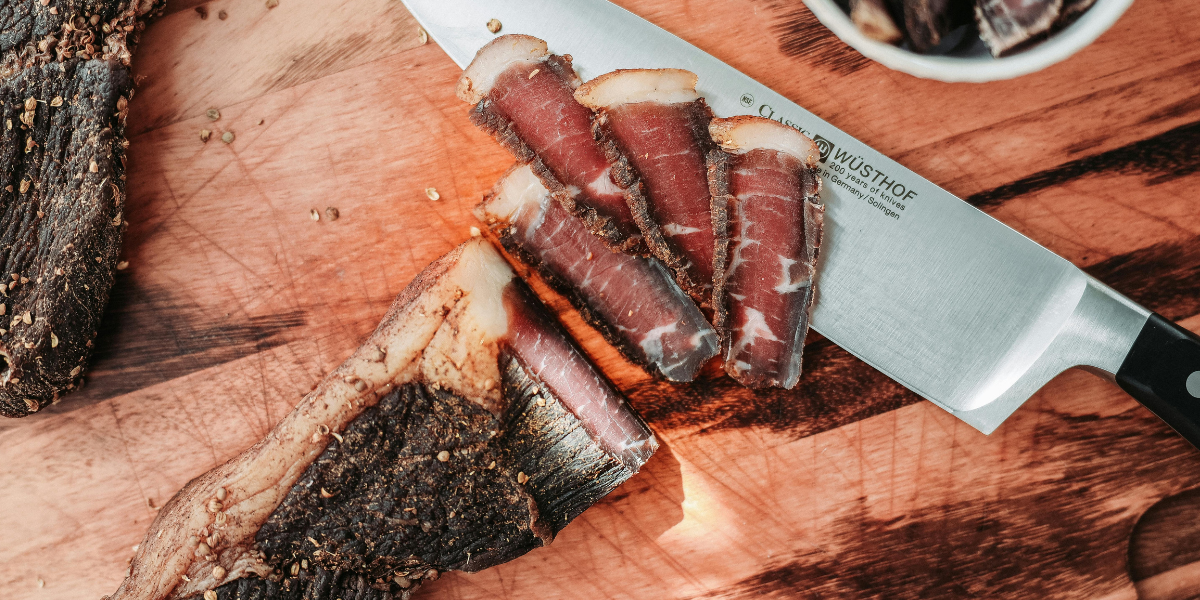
[524,97]
[466,431]
[660,124]
[767,214]
[631,300]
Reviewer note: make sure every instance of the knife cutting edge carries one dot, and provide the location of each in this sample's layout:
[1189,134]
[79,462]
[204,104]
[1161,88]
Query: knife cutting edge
[936,294]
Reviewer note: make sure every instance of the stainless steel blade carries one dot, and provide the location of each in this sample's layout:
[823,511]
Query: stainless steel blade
[936,294]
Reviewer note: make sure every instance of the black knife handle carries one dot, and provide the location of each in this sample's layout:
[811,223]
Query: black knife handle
[1162,371]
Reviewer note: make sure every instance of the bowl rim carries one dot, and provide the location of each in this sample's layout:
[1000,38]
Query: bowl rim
[1095,21]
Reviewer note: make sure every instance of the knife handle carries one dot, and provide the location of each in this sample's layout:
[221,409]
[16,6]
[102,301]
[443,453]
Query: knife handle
[1162,371]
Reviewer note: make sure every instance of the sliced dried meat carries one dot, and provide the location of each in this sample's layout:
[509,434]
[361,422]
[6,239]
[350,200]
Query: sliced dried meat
[1006,25]
[523,96]
[467,430]
[660,124]
[631,300]
[767,215]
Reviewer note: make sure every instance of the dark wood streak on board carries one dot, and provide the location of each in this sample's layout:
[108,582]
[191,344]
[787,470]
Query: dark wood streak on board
[1164,537]
[802,36]
[149,336]
[990,543]
[837,389]
[1164,157]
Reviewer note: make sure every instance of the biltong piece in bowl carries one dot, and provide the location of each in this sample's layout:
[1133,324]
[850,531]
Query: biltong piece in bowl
[524,97]
[767,215]
[631,300]
[660,124]
[466,431]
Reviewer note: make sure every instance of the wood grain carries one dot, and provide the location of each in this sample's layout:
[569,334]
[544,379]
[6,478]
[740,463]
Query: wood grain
[236,302]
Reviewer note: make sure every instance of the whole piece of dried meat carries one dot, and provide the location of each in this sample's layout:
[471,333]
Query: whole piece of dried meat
[64,90]
[767,214]
[467,430]
[631,300]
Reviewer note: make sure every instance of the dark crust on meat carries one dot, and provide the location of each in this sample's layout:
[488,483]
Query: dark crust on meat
[317,583]
[504,233]
[501,129]
[718,188]
[640,207]
[31,35]
[379,503]
[63,236]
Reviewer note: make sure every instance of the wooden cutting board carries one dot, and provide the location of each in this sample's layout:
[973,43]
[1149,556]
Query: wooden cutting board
[236,302]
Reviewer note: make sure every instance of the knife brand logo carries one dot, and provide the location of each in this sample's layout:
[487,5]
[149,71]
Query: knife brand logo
[824,146]
[747,100]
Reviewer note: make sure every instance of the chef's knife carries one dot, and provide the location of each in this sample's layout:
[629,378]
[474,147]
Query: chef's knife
[936,294]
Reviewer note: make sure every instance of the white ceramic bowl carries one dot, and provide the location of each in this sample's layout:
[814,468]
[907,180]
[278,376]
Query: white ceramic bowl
[975,64]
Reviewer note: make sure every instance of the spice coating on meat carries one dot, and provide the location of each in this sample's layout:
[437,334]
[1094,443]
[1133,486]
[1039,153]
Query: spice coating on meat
[35,33]
[768,218]
[64,91]
[468,406]
[630,300]
[661,125]
[62,199]
[527,103]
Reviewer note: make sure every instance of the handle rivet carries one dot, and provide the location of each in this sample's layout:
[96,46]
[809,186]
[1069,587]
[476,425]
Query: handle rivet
[1193,385]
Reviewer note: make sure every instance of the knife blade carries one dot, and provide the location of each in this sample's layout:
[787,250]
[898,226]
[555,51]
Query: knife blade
[936,294]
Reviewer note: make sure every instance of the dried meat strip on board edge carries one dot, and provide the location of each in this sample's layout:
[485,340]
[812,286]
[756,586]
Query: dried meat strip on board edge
[767,215]
[467,430]
[631,300]
[524,97]
[660,124]
[64,90]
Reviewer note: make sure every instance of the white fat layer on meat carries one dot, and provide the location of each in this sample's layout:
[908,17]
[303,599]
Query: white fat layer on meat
[755,328]
[604,185]
[516,190]
[495,58]
[791,279]
[739,135]
[673,229]
[625,86]
[465,287]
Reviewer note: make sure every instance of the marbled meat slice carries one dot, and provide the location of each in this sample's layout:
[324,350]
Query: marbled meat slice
[631,300]
[1007,24]
[64,91]
[767,214]
[523,96]
[467,430]
[660,124]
